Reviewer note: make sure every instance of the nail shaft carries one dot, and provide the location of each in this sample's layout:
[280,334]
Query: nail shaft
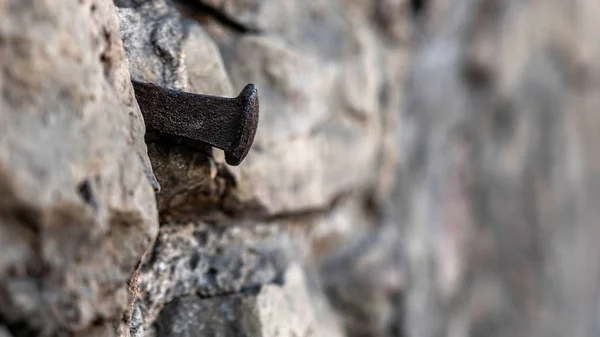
[226,123]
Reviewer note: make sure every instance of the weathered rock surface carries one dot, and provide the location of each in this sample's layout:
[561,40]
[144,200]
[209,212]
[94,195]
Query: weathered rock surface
[77,210]
[271,311]
[488,153]
[164,49]
[319,81]
[330,92]
[359,264]
[209,260]
[501,180]
[364,281]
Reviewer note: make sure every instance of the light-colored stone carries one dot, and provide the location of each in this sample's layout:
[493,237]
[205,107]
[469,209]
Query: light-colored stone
[76,208]
[206,72]
[166,49]
[320,124]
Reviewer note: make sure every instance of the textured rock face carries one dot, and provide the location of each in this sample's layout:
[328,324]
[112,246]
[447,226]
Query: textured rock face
[77,209]
[502,170]
[319,83]
[271,311]
[421,168]
[319,70]
[327,110]
[165,50]
[209,261]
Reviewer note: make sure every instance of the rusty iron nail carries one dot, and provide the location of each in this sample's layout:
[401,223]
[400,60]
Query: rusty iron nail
[226,123]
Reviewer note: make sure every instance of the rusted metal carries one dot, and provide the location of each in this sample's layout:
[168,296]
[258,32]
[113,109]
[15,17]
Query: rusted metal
[226,123]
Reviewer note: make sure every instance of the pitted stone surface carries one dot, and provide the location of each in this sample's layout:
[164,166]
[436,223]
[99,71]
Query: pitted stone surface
[271,311]
[208,260]
[77,210]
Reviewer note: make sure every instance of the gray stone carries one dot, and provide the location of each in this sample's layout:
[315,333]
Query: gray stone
[273,311]
[365,282]
[358,262]
[4,332]
[388,16]
[76,209]
[152,35]
[330,93]
[242,14]
[166,49]
[209,260]
[501,178]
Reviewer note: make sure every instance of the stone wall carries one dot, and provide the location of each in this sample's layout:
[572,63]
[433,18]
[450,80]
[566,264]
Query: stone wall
[500,183]
[421,168]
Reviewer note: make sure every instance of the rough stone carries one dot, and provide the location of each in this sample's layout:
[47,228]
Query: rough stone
[272,311]
[330,95]
[193,184]
[365,280]
[358,260]
[320,123]
[243,15]
[117,74]
[166,49]
[76,209]
[209,260]
[318,76]
[489,153]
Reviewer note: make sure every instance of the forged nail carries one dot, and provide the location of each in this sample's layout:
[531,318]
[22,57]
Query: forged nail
[226,123]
